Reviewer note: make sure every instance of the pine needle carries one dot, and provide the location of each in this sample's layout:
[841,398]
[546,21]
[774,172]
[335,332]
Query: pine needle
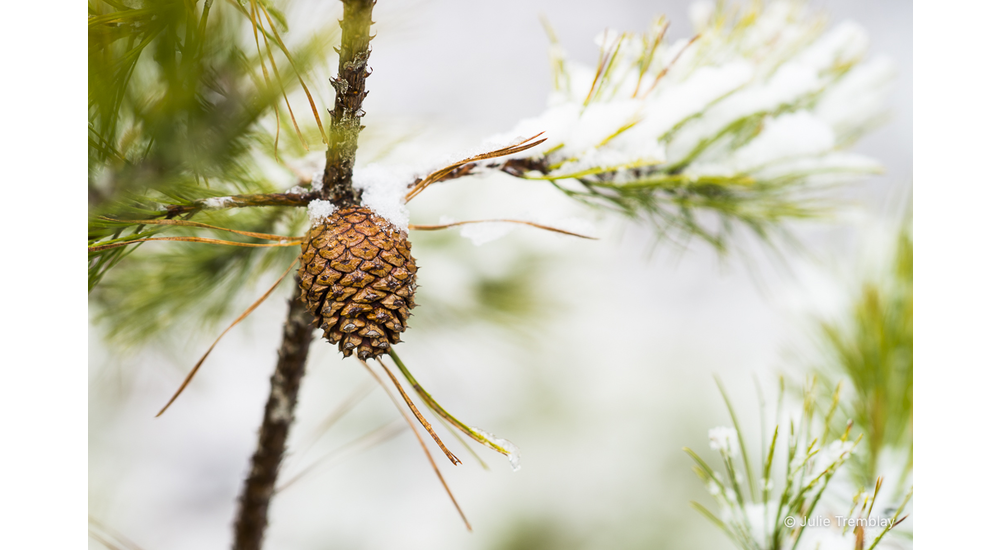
[532,224]
[420,440]
[239,319]
[281,86]
[379,435]
[263,68]
[416,412]
[100,247]
[440,411]
[465,445]
[666,69]
[602,61]
[352,400]
[648,58]
[503,151]
[186,223]
[122,542]
[305,88]
[107,543]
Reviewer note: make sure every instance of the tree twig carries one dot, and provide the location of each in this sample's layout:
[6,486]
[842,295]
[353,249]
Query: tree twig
[515,167]
[258,488]
[346,115]
[442,174]
[241,201]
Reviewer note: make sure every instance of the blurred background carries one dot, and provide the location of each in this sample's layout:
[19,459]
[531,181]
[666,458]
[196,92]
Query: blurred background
[595,357]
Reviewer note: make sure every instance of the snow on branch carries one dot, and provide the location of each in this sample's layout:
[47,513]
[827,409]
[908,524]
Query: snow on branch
[741,121]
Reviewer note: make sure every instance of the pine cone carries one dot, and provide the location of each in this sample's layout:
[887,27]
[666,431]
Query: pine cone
[358,277]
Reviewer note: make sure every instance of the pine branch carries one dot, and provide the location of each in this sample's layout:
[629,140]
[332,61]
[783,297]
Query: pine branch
[346,115]
[279,412]
[241,201]
[251,519]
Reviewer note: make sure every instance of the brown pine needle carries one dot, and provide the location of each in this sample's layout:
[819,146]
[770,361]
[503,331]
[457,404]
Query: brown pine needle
[277,38]
[652,51]
[105,542]
[253,22]
[503,151]
[416,412]
[99,247]
[186,223]
[121,539]
[420,440]
[239,319]
[361,444]
[440,411]
[600,68]
[359,394]
[532,224]
[447,425]
[281,86]
[263,68]
[611,60]
[666,69]
[277,130]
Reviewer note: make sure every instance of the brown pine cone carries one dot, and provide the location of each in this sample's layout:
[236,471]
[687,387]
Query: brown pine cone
[358,277]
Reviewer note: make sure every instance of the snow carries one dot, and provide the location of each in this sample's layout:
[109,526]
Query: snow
[724,439]
[832,453]
[795,134]
[699,116]
[383,189]
[672,104]
[833,167]
[317,181]
[482,233]
[601,120]
[609,159]
[217,203]
[320,210]
[757,515]
[846,42]
[859,97]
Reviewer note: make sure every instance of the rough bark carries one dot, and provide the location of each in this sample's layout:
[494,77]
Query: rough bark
[258,488]
[346,114]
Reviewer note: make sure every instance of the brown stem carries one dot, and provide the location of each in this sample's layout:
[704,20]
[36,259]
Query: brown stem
[242,201]
[346,114]
[515,167]
[251,518]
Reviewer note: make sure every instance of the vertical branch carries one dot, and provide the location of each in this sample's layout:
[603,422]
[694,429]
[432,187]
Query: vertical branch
[251,519]
[350,87]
